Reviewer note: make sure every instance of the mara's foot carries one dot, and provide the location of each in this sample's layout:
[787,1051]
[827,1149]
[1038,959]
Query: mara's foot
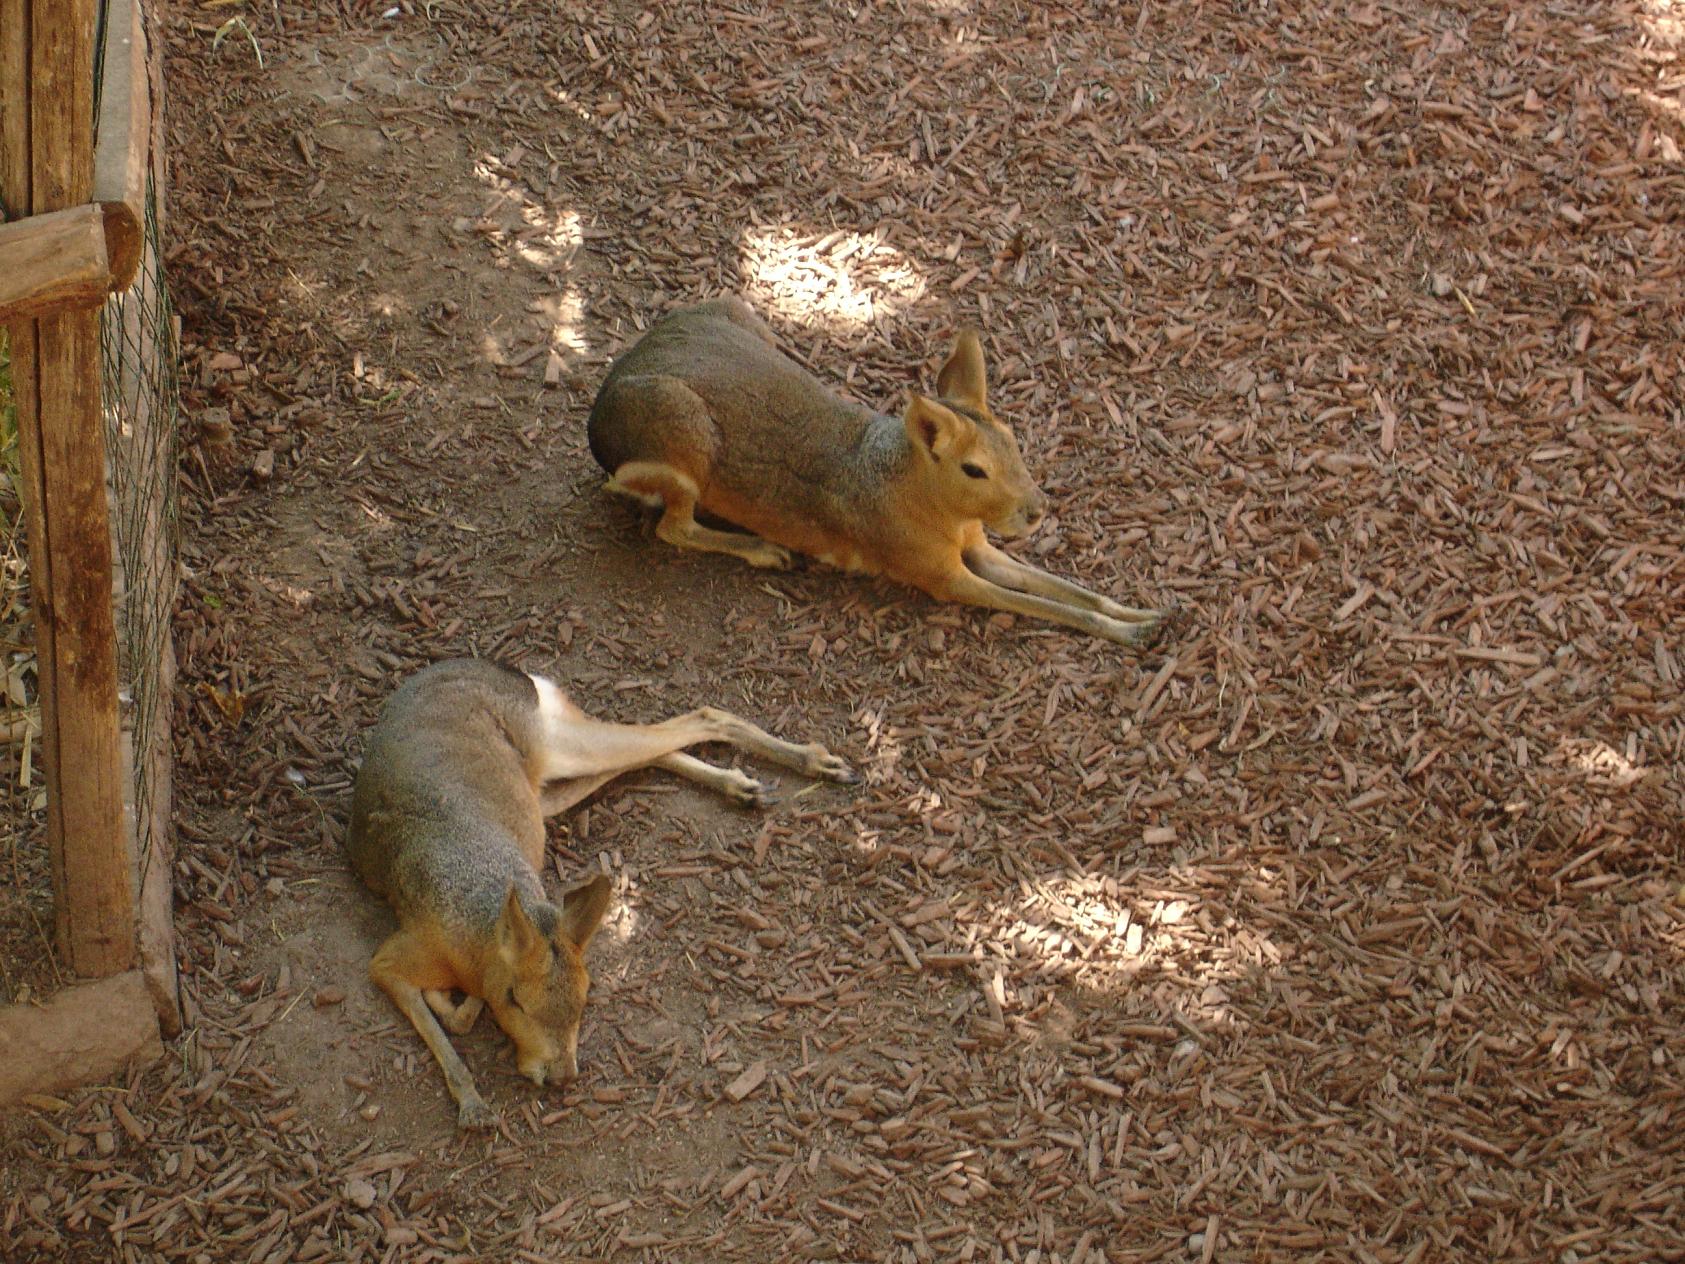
[767,556]
[745,791]
[819,762]
[472,1112]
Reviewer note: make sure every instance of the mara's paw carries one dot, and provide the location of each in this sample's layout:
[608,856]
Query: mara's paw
[454,1018]
[461,1020]
[1137,636]
[472,1112]
[767,556]
[1171,621]
[819,762]
[1146,633]
[745,791]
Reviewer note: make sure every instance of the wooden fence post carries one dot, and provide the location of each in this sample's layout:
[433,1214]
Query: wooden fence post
[46,164]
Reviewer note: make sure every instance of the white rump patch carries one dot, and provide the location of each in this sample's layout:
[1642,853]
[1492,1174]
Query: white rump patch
[557,736]
[554,709]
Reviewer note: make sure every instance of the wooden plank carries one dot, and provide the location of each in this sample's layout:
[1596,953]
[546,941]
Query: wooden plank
[92,859]
[83,1033]
[56,378]
[157,924]
[53,262]
[125,139]
[157,912]
[60,86]
[144,616]
[158,104]
[14,108]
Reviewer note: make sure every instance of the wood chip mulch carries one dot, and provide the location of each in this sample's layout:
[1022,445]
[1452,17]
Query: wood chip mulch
[1347,925]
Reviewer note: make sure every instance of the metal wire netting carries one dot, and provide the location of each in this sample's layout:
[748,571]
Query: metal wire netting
[139,394]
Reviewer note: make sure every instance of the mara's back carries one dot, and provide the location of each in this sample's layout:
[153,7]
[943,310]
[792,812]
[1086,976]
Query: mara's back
[443,812]
[765,410]
[768,446]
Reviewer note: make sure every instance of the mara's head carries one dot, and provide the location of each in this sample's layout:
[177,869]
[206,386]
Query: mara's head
[970,465]
[537,981]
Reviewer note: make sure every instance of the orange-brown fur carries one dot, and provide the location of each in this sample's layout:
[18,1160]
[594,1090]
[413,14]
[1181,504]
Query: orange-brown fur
[447,824]
[704,412]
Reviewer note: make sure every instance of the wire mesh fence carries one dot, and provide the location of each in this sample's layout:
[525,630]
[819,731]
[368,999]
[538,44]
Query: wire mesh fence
[139,396]
[138,346]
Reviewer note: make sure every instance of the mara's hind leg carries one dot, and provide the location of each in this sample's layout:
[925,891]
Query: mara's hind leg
[570,746]
[737,786]
[558,796]
[659,441]
[654,482]
[811,758]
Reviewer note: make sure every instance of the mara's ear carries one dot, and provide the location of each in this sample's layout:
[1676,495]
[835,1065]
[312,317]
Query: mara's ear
[583,909]
[931,426]
[963,378]
[517,937]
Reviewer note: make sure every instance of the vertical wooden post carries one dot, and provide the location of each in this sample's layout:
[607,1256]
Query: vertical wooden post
[46,164]
[14,111]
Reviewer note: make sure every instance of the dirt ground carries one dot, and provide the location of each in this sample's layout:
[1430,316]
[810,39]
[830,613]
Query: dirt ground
[1346,925]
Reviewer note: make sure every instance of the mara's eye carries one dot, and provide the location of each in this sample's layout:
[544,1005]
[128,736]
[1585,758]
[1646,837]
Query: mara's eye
[974,471]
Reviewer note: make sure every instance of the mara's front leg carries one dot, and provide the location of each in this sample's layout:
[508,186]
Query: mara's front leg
[392,968]
[999,567]
[963,585]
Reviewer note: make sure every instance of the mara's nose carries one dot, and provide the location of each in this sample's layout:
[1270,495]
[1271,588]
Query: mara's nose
[1035,509]
[564,1070]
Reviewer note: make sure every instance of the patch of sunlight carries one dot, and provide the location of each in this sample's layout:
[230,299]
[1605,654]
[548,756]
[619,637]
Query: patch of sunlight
[301,598]
[1089,931]
[562,97]
[838,277]
[375,514]
[1663,20]
[305,288]
[884,749]
[622,918]
[1661,35]
[565,313]
[1665,147]
[554,237]
[495,347]
[866,839]
[371,376]
[1601,762]
[522,229]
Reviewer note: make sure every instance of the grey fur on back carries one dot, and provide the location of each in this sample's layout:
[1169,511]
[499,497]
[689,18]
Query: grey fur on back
[443,802]
[768,428]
